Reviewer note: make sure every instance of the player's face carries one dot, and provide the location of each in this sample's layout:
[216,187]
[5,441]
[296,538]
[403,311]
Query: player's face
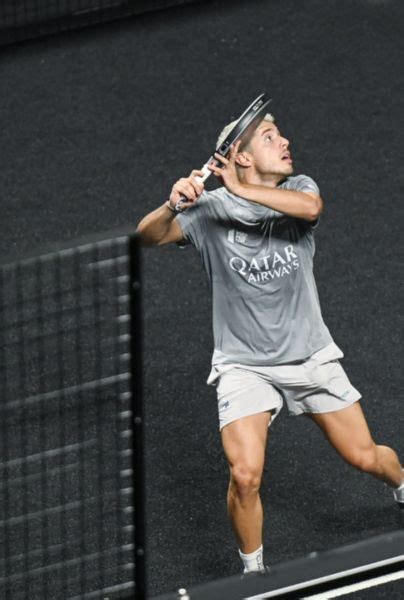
[270,151]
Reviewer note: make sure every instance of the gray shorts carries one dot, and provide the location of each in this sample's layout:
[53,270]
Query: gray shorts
[317,385]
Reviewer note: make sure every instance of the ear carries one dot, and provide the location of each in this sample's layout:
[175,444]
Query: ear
[244,159]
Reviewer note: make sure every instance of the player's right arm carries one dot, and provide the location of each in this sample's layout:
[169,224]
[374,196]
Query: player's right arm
[160,226]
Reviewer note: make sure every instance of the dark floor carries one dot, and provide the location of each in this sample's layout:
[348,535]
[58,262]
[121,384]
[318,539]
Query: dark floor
[97,125]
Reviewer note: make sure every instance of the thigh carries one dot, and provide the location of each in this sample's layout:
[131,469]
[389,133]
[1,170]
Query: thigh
[244,392]
[346,429]
[316,387]
[244,441]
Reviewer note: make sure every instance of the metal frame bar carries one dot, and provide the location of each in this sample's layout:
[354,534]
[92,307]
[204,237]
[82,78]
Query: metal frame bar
[136,343]
[314,573]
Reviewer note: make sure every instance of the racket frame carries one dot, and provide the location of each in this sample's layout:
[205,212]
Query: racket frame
[245,124]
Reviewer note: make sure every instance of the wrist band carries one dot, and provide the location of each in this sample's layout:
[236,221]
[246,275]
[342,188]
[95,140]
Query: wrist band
[177,208]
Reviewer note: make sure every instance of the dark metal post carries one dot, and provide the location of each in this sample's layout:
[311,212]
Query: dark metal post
[136,387]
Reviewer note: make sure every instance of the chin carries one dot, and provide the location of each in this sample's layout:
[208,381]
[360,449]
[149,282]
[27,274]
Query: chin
[286,171]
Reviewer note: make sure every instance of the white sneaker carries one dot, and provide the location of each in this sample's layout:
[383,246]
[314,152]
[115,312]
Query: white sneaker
[398,494]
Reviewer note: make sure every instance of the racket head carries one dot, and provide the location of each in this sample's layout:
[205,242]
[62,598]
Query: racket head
[246,123]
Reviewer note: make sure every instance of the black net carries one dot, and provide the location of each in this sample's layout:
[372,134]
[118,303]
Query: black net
[23,19]
[67,518]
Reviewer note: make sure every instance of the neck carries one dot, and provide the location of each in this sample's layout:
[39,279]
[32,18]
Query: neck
[270,180]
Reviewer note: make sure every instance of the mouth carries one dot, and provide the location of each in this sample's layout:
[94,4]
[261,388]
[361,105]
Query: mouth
[287,158]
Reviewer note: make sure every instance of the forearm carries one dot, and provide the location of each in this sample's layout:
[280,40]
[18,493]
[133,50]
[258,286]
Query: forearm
[289,202]
[155,225]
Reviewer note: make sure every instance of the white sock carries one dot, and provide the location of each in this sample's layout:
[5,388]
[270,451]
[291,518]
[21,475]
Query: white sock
[254,561]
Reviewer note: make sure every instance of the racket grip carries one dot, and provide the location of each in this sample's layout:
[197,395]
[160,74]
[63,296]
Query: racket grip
[200,179]
[206,172]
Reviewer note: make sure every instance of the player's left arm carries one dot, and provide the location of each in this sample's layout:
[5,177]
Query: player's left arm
[303,205]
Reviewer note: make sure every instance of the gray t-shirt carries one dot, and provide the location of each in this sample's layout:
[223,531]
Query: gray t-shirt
[259,263]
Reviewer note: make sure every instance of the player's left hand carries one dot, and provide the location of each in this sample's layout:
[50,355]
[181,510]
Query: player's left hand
[227,171]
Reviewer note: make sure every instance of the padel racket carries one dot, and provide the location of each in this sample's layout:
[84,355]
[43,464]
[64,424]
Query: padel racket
[243,127]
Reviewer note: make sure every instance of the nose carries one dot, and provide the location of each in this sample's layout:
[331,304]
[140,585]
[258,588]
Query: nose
[285,143]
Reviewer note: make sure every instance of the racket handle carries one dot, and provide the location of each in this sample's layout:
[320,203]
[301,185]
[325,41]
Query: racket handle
[206,172]
[200,179]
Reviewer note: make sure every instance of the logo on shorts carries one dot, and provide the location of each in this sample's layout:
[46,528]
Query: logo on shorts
[224,405]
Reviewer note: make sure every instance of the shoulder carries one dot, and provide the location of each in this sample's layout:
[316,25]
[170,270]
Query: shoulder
[210,202]
[207,197]
[219,194]
[200,211]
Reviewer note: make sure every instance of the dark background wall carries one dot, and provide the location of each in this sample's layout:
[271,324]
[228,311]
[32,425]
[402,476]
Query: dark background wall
[97,125]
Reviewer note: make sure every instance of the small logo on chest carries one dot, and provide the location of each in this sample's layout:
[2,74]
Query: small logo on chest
[237,237]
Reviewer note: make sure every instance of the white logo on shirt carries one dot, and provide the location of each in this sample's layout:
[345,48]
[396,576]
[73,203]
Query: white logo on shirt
[237,236]
[265,268]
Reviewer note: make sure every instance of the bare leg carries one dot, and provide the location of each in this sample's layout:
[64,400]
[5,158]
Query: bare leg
[244,443]
[348,431]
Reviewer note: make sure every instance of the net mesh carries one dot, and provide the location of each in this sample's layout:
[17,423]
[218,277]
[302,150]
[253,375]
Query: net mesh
[66,485]
[23,19]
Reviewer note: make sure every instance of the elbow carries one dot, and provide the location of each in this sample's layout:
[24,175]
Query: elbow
[147,234]
[316,209]
[141,231]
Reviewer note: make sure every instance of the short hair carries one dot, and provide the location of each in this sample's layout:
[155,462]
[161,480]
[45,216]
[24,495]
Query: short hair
[227,129]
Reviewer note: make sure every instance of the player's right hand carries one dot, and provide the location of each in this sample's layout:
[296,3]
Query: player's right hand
[188,187]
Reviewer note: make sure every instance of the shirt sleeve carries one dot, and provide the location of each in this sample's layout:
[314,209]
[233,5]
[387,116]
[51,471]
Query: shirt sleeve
[193,221]
[307,184]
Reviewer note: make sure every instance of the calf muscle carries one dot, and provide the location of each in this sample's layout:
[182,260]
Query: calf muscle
[348,432]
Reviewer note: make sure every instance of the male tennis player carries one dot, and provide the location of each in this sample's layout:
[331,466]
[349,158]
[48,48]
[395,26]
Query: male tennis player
[255,238]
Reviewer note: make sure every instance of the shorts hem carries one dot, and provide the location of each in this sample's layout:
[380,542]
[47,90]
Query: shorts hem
[323,412]
[272,410]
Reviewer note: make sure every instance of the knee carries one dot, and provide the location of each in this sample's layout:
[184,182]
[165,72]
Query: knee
[365,460]
[245,480]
